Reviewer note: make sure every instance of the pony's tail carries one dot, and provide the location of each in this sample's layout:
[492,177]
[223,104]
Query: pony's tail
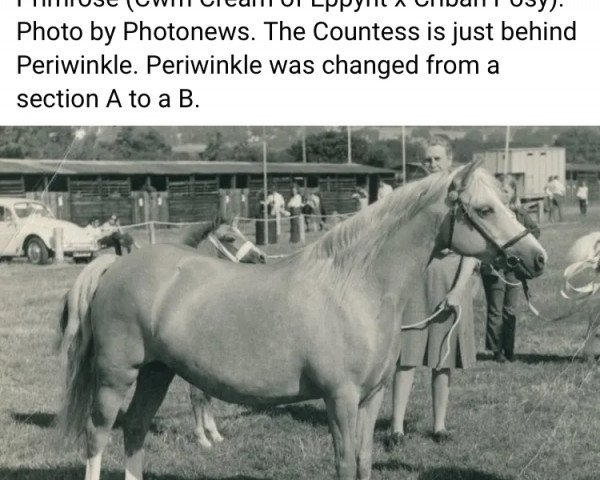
[75,348]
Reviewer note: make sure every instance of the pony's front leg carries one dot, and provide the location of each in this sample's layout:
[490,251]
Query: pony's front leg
[342,413]
[199,407]
[367,416]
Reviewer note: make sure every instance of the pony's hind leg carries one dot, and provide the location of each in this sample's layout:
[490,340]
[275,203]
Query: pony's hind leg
[152,385]
[105,407]
[201,408]
[209,421]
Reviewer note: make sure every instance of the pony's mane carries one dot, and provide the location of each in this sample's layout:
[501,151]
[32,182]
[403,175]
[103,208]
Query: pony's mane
[584,248]
[195,234]
[351,246]
[369,228]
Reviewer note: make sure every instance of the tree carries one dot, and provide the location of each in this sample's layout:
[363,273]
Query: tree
[330,146]
[215,149]
[133,143]
[582,144]
[35,142]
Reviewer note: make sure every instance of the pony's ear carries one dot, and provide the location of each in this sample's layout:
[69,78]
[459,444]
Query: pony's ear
[462,178]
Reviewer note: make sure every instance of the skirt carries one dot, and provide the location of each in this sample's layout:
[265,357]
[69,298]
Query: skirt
[426,346]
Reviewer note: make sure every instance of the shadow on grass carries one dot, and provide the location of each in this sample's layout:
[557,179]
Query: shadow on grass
[436,473]
[307,414]
[531,358]
[39,419]
[77,473]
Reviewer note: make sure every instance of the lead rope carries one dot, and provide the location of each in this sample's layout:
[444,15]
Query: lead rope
[441,308]
[530,305]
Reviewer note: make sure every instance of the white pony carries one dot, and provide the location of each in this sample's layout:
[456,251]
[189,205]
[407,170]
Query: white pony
[582,283]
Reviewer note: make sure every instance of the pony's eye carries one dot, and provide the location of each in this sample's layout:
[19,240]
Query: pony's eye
[484,211]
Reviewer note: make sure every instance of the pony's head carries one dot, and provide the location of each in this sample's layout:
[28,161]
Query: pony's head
[232,244]
[480,225]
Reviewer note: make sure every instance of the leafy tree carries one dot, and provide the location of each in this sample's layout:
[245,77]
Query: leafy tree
[330,146]
[215,149]
[35,142]
[137,144]
[582,144]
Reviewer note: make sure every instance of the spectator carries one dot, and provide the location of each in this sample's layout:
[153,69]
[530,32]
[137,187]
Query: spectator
[361,198]
[582,196]
[295,208]
[113,236]
[448,281]
[384,190]
[548,190]
[502,289]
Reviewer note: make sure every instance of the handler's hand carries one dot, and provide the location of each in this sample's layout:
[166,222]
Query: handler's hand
[452,300]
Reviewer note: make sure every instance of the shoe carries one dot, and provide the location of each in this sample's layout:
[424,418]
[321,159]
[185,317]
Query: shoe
[394,440]
[499,357]
[442,436]
[510,356]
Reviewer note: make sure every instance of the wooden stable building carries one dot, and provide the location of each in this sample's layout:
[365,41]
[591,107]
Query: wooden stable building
[178,190]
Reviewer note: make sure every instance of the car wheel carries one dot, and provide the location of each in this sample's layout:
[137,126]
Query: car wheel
[37,252]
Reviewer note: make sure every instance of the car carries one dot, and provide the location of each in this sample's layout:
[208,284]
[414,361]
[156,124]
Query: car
[27,229]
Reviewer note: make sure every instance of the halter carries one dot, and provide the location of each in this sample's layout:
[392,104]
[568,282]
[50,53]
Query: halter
[512,262]
[241,253]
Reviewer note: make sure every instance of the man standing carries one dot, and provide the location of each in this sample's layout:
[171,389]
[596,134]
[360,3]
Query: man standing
[558,195]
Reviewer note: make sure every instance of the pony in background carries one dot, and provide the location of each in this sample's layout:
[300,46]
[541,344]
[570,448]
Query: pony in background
[582,284]
[322,323]
[219,239]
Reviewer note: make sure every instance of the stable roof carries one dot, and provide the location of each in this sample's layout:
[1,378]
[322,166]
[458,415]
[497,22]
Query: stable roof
[179,167]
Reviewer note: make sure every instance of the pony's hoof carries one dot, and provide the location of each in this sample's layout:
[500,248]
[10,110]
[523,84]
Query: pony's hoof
[394,441]
[442,436]
[204,443]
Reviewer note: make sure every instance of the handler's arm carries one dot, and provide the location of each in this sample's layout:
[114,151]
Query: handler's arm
[467,267]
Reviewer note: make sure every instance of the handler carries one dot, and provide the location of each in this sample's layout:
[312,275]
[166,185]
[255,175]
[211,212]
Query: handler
[449,282]
[502,293]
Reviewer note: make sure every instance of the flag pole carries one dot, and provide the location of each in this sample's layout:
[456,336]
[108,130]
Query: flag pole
[265,193]
[506,144]
[403,155]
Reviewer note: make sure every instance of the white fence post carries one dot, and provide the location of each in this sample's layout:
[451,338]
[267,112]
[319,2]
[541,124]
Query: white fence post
[152,233]
[59,253]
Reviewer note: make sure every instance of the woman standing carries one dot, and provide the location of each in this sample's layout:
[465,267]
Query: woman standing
[448,282]
[502,289]
[295,208]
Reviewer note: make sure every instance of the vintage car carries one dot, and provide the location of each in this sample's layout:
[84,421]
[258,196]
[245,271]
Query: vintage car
[27,228]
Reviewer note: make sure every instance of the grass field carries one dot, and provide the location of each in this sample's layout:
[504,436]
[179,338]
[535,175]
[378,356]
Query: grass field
[538,418]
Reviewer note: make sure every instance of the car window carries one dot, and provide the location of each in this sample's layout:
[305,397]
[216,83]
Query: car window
[27,209]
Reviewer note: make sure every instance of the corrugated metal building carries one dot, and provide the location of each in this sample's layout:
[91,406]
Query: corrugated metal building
[531,167]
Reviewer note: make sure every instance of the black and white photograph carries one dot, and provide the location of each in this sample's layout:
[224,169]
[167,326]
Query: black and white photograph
[290,302]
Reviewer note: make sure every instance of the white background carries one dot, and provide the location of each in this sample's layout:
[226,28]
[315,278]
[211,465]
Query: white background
[541,83]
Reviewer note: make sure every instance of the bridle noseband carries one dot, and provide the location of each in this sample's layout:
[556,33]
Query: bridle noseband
[240,254]
[512,262]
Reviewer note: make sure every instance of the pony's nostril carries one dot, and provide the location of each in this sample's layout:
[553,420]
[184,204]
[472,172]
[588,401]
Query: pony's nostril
[540,261]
